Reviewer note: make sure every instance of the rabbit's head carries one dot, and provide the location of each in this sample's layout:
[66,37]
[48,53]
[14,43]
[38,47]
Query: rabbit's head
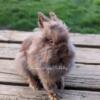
[53,29]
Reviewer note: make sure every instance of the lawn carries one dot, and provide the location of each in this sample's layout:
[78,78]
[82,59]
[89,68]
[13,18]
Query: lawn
[80,15]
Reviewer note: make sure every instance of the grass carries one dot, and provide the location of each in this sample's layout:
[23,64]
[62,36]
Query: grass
[80,15]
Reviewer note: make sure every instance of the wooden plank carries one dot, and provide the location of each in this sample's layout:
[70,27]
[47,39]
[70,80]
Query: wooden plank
[86,76]
[25,93]
[7,35]
[90,40]
[78,39]
[8,50]
[83,55]
[88,55]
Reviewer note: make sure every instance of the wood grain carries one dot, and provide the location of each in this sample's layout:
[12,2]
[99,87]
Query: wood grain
[24,93]
[7,35]
[84,75]
[78,39]
[83,55]
[81,75]
[90,40]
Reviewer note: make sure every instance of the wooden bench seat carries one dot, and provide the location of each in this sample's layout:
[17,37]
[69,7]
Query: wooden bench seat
[82,82]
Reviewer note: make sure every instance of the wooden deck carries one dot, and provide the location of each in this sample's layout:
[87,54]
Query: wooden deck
[82,83]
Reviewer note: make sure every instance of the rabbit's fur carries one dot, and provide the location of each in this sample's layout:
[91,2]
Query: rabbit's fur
[47,55]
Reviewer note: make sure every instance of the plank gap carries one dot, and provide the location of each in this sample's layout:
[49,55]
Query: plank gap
[10,41]
[66,87]
[13,83]
[77,45]
[86,63]
[82,88]
[7,58]
[87,46]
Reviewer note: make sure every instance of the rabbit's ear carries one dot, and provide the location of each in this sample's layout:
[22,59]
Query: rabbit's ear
[41,19]
[53,16]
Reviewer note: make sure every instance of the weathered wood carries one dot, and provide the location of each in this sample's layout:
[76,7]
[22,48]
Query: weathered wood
[8,50]
[86,76]
[83,55]
[88,55]
[86,39]
[78,39]
[7,35]
[25,93]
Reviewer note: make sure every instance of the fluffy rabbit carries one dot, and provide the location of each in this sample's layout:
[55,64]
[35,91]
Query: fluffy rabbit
[47,55]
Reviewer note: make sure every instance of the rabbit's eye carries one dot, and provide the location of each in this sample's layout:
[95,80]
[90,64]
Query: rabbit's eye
[48,40]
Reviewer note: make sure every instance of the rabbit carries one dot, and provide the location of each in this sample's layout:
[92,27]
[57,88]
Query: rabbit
[46,56]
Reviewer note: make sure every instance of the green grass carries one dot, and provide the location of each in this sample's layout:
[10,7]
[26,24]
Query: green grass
[80,15]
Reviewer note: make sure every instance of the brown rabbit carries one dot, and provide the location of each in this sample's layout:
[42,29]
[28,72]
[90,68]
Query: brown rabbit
[47,56]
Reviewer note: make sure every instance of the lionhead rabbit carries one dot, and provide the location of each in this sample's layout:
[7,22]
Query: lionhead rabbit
[47,56]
